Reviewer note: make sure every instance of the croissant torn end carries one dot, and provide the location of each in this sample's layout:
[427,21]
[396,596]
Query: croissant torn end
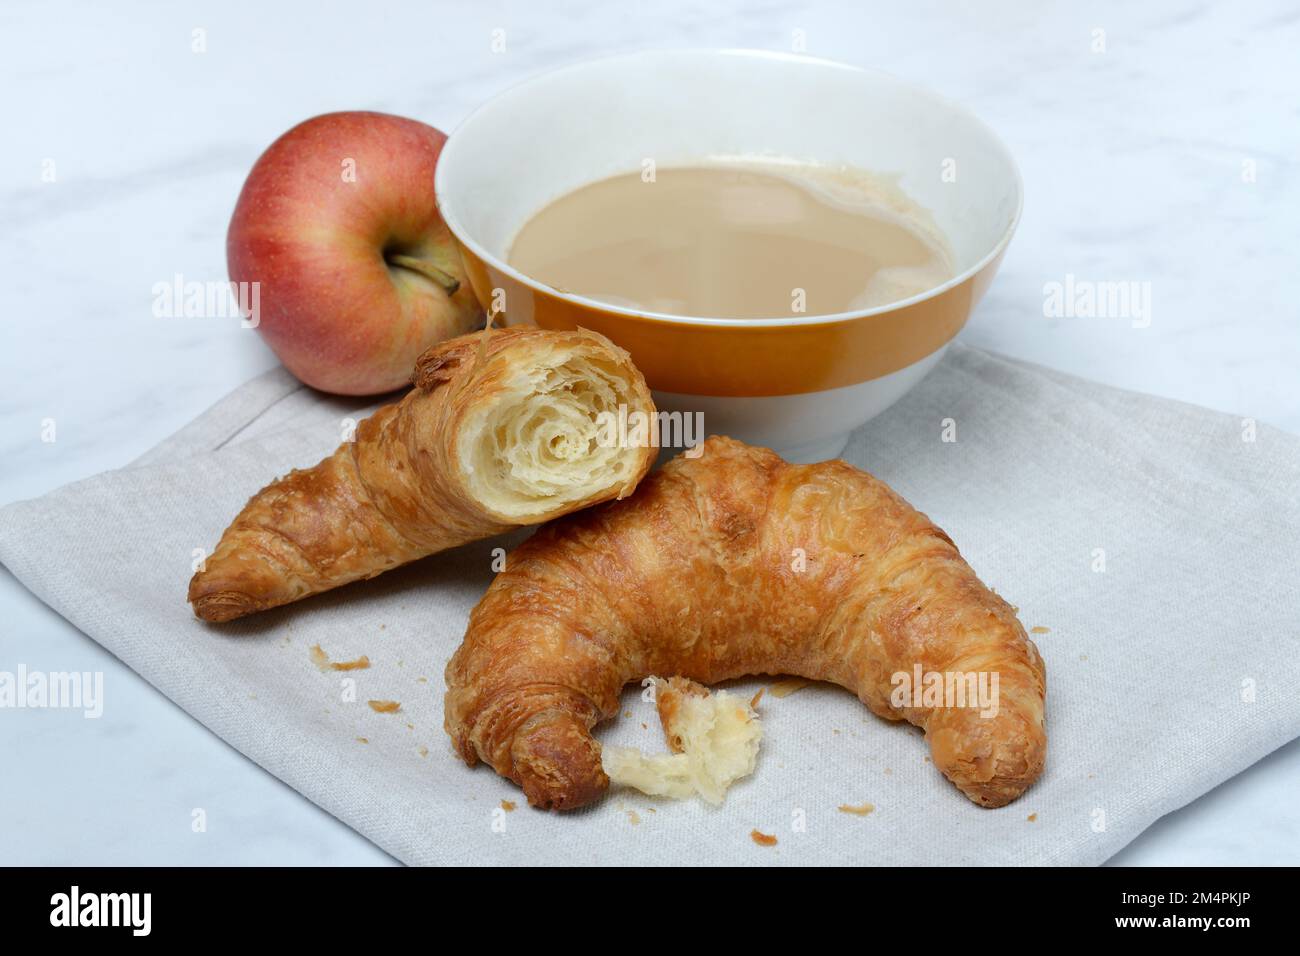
[543,441]
[713,739]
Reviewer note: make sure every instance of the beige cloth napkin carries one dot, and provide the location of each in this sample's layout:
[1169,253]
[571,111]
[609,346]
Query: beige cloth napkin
[1153,541]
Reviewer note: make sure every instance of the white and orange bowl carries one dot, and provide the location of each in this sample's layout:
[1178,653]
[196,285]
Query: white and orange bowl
[800,384]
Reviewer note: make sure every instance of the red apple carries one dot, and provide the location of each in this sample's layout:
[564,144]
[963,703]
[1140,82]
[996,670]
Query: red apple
[357,273]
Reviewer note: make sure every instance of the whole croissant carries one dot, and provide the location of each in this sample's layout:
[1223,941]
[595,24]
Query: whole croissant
[503,428]
[729,564]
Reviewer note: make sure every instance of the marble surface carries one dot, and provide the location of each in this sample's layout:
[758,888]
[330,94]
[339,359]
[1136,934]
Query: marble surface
[1162,150]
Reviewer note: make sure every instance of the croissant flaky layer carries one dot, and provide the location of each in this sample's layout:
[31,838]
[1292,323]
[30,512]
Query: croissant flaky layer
[737,563]
[502,429]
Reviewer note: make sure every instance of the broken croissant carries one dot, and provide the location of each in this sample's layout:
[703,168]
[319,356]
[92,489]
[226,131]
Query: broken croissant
[502,429]
[730,564]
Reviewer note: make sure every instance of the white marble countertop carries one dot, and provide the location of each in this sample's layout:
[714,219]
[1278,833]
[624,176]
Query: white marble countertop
[1169,157]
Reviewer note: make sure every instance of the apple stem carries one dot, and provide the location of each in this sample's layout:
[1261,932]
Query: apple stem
[427,269]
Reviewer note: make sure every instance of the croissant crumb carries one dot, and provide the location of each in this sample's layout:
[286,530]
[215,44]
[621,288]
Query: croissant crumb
[784,688]
[323,662]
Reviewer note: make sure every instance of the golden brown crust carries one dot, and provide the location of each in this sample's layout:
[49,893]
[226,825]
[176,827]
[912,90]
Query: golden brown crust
[732,564]
[401,489]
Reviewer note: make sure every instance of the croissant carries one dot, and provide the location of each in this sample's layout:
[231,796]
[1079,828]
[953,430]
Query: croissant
[503,428]
[731,564]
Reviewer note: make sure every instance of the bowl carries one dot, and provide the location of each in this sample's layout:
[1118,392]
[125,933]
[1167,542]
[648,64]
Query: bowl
[797,384]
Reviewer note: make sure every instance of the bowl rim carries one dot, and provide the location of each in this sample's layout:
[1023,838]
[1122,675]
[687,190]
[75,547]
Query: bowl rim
[462,236]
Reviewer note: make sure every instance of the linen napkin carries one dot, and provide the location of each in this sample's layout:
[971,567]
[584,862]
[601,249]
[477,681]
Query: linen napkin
[1149,545]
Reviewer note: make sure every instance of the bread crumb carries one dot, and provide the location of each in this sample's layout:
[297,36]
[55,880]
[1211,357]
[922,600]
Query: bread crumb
[644,726]
[410,726]
[1032,817]
[508,806]
[784,688]
[627,713]
[422,680]
[423,751]
[861,810]
[633,818]
[835,732]
[762,839]
[753,701]
[384,706]
[323,663]
[888,771]
[1040,630]
[362,740]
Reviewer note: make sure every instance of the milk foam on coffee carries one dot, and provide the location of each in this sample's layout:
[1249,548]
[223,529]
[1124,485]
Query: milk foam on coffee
[736,240]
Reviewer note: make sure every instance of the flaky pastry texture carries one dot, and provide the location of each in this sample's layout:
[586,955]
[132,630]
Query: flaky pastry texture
[730,564]
[713,741]
[503,428]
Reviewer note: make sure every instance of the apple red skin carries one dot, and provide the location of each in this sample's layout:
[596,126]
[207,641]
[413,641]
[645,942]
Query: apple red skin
[331,307]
